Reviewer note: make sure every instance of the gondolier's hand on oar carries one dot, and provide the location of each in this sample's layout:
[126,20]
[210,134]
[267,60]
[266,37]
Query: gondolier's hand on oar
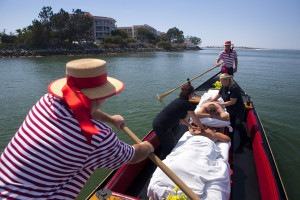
[116,120]
[142,151]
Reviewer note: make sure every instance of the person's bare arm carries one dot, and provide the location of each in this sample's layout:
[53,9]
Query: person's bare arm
[222,114]
[232,101]
[116,120]
[236,64]
[224,117]
[185,122]
[216,136]
[222,137]
[211,135]
[215,98]
[196,120]
[201,113]
[142,151]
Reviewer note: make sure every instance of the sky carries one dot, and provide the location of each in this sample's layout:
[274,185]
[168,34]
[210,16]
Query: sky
[271,24]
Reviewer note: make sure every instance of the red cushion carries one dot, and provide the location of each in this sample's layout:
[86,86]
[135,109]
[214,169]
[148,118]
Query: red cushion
[266,180]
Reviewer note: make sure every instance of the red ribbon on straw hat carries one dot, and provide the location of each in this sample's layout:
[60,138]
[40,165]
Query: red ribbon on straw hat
[80,105]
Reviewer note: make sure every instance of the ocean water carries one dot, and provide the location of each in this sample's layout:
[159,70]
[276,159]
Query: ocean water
[270,77]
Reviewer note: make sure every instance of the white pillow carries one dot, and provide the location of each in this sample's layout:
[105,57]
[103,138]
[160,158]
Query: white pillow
[212,122]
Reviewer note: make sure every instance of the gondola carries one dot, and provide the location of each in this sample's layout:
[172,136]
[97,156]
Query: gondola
[254,172]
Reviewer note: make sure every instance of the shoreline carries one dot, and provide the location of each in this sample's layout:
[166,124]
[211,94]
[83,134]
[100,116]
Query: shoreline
[27,53]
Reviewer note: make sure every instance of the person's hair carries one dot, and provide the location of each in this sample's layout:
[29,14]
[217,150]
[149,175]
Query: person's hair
[186,90]
[211,108]
[227,77]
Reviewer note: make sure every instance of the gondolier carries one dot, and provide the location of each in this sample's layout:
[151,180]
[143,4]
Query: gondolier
[229,58]
[63,138]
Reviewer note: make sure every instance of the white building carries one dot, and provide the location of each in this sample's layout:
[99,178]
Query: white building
[102,26]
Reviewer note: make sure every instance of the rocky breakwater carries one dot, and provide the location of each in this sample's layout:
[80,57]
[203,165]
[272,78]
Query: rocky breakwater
[24,52]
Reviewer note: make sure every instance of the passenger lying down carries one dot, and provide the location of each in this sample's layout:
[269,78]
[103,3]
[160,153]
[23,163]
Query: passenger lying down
[212,134]
[200,160]
[211,113]
[212,110]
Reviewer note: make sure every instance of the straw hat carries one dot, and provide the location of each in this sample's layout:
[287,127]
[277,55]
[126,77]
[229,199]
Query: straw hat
[228,43]
[90,77]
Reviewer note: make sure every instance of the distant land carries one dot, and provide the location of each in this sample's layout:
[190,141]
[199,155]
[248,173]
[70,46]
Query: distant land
[222,47]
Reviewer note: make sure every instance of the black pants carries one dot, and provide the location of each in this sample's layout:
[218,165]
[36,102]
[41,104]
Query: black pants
[236,120]
[166,138]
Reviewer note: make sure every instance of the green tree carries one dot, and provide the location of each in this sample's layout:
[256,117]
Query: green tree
[7,38]
[130,40]
[45,15]
[195,40]
[61,26]
[52,27]
[24,35]
[45,20]
[118,40]
[118,32]
[38,38]
[144,35]
[80,25]
[162,38]
[165,44]
[175,35]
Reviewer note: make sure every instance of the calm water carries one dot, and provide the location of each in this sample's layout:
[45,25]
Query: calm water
[270,77]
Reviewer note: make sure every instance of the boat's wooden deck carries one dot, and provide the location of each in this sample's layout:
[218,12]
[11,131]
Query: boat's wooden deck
[245,182]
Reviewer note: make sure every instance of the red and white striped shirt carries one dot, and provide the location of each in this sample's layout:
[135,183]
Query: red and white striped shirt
[228,58]
[49,158]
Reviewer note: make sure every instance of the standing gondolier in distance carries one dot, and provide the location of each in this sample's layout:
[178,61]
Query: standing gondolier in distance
[229,58]
[64,139]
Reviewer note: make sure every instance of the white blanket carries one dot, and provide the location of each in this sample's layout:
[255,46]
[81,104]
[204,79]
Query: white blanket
[211,121]
[200,163]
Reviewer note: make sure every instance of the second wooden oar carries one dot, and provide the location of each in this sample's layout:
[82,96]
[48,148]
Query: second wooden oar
[165,94]
[164,168]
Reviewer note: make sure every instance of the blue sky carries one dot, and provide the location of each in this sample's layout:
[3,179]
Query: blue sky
[273,24]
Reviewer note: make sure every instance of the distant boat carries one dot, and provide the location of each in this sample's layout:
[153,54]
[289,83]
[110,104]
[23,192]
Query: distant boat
[254,172]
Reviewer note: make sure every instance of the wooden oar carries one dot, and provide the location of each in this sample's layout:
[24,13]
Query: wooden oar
[165,94]
[164,168]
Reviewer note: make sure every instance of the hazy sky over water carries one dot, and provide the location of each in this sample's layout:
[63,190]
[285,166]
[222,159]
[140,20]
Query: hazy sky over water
[271,24]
